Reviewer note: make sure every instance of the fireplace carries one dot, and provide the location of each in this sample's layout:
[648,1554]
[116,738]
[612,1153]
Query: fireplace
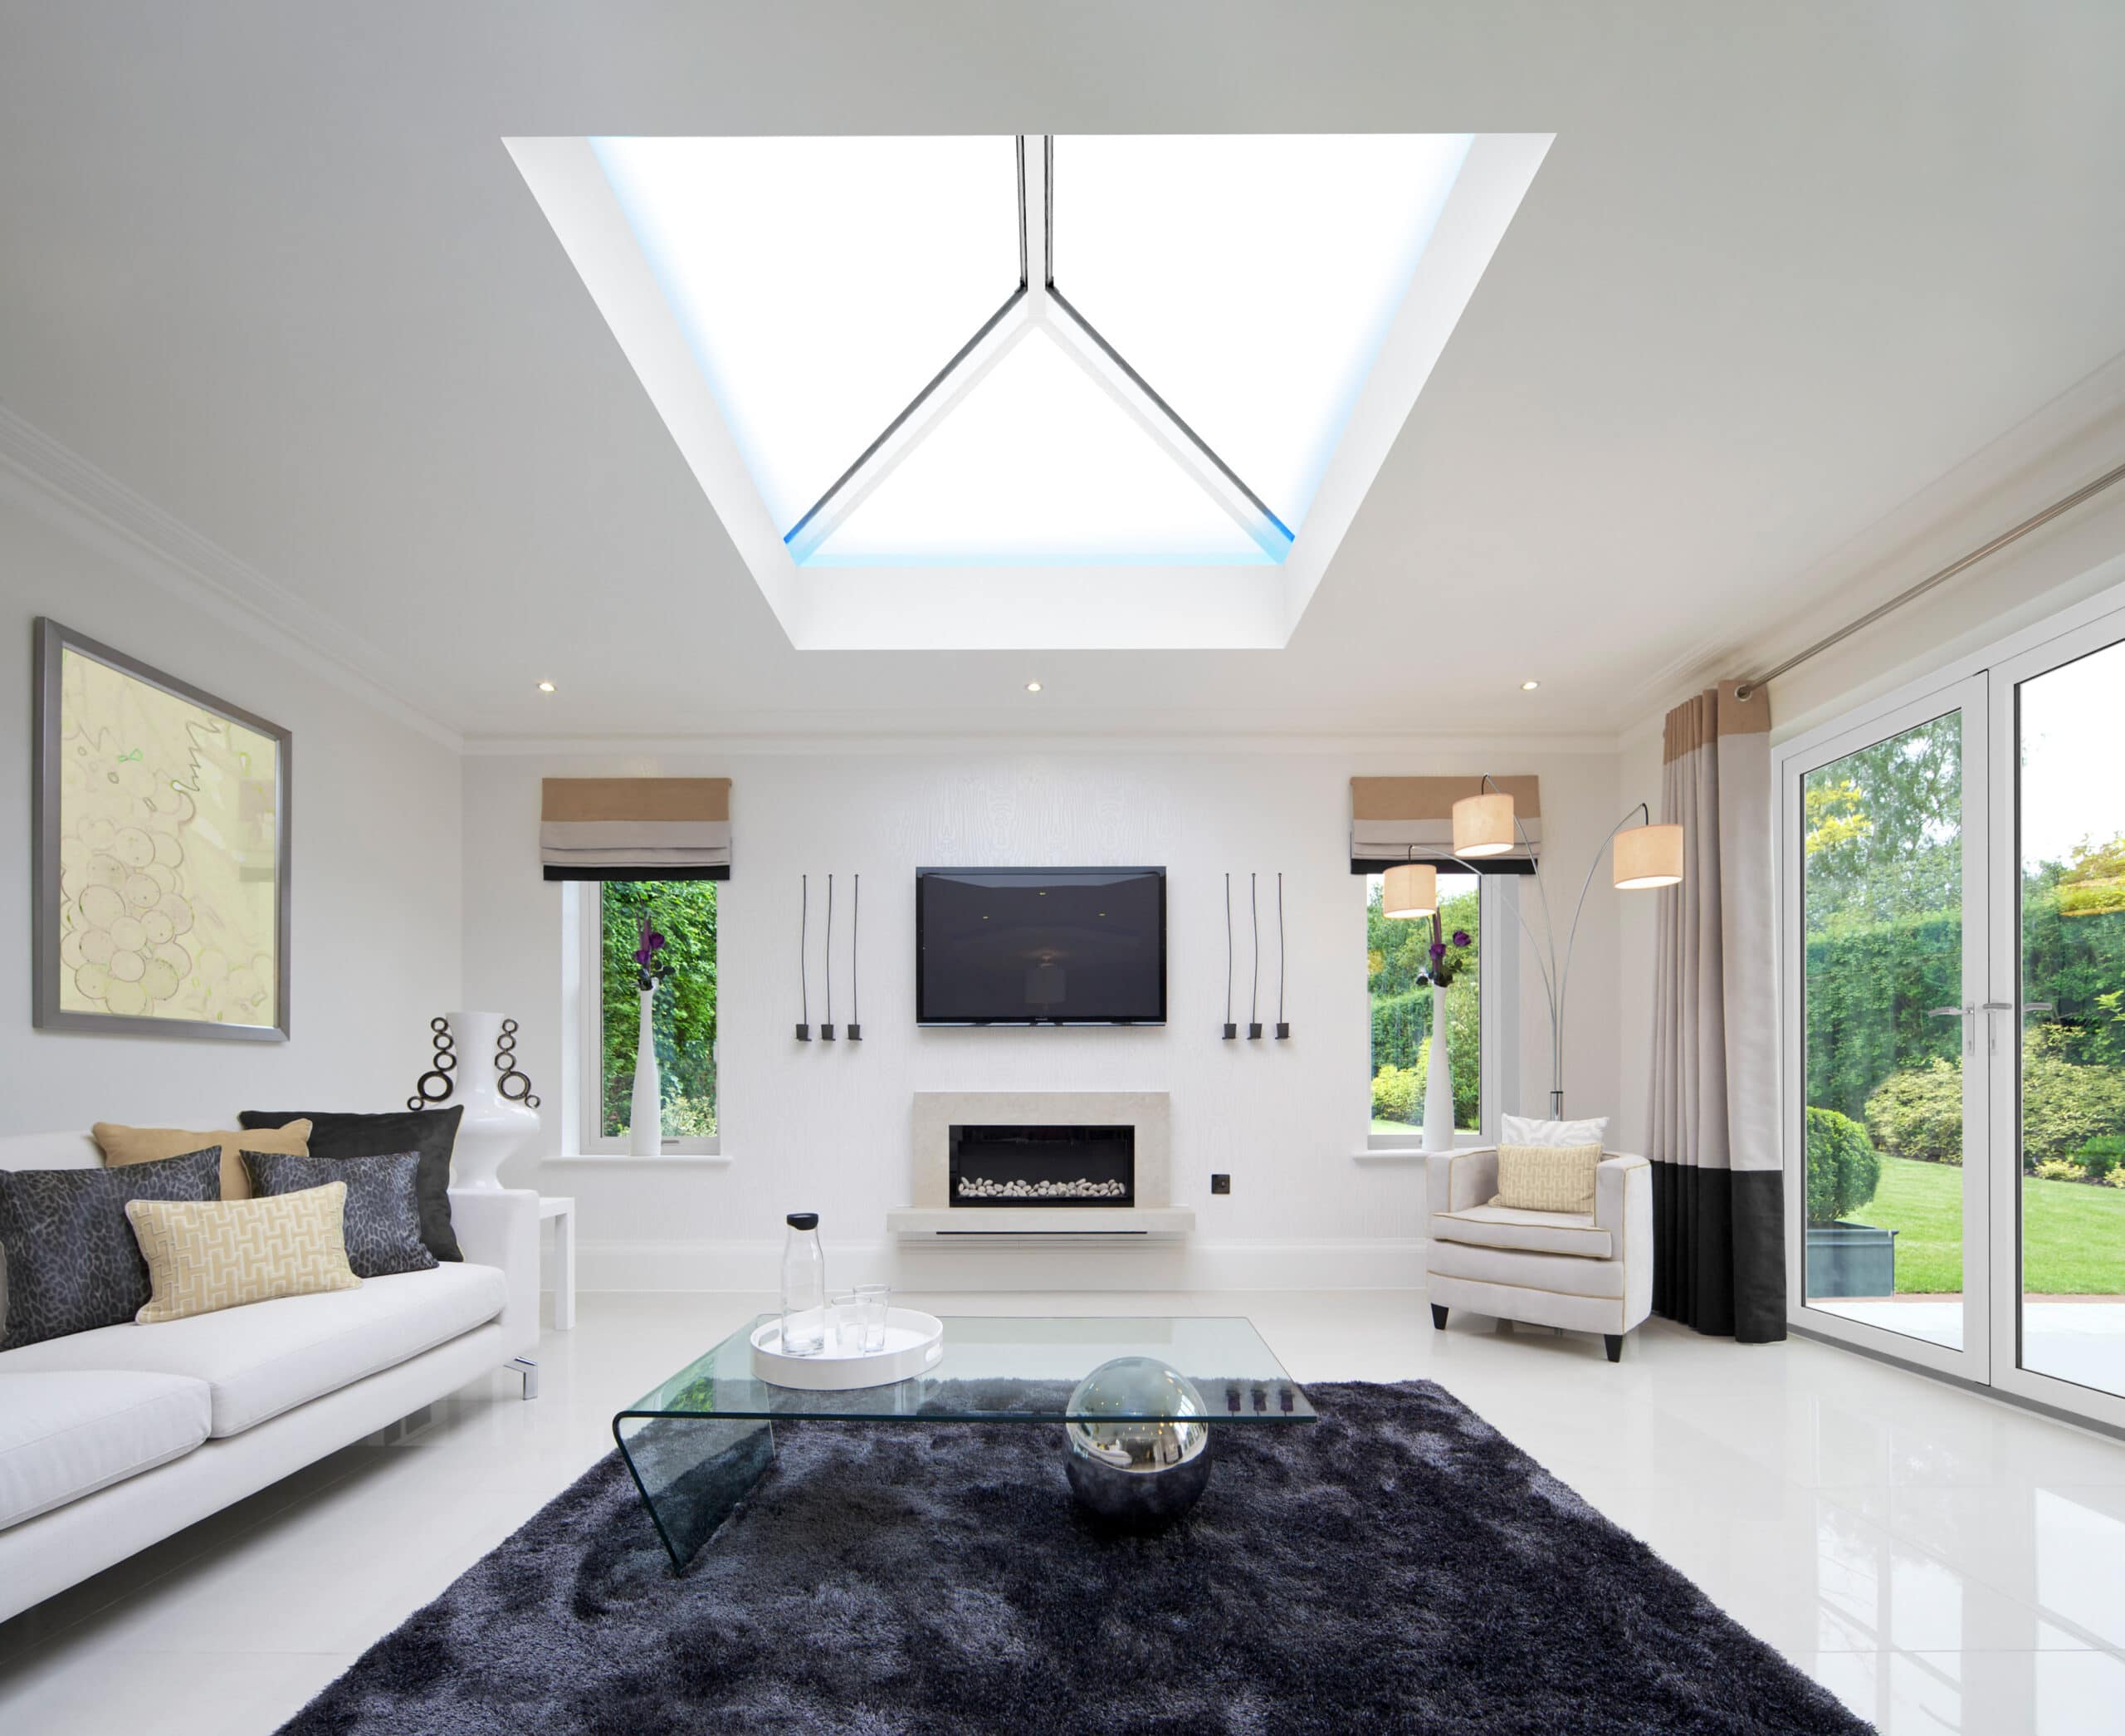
[1064,1164]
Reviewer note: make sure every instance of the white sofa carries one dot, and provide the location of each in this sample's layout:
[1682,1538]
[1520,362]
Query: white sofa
[1586,1272]
[112,1439]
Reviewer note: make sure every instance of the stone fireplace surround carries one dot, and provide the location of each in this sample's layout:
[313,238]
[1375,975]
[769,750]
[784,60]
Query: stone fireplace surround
[935,1112]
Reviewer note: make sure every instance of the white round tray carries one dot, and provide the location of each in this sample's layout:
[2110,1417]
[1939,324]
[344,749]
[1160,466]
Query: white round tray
[914,1342]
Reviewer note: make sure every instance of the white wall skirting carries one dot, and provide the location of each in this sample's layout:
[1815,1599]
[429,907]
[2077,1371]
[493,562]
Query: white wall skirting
[1076,1264]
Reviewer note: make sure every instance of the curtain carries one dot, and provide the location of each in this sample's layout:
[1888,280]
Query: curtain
[635,828]
[1395,820]
[1718,1184]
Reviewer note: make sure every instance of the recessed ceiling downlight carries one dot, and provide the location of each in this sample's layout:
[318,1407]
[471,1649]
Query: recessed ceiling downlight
[545,687]
[1033,687]
[1529,686]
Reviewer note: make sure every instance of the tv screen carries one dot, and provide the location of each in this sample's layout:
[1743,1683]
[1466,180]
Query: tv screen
[1040,946]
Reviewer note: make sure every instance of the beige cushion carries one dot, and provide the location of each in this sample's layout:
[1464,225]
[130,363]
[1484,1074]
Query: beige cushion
[1538,1232]
[1546,1178]
[146,1144]
[208,1254]
[261,1361]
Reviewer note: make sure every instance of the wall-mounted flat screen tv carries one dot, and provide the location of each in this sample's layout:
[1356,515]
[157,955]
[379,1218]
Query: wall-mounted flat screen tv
[1017,945]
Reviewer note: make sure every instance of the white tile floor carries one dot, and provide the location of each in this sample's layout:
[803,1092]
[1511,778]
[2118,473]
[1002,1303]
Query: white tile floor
[1943,1562]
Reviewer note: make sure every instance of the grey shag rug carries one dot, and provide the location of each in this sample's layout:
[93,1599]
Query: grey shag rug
[1398,1565]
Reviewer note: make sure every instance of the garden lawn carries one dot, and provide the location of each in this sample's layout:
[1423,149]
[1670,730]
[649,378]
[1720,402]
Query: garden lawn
[2073,1233]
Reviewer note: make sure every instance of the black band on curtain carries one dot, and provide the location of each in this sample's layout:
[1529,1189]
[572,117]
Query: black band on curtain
[1718,1250]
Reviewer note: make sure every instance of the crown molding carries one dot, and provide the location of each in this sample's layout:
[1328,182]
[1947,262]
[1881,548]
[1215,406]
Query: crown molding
[200,572]
[1409,743]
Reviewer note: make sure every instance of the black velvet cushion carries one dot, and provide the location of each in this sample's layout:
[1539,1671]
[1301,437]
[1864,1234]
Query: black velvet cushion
[384,1210]
[431,1133]
[72,1262]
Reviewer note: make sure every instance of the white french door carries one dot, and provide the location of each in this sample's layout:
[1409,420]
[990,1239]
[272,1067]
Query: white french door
[1952,880]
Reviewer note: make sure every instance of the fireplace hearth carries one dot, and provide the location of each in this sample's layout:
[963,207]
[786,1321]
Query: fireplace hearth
[1046,1165]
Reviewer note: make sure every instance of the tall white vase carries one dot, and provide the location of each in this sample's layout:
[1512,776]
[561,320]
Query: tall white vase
[1439,1081]
[494,1127]
[646,1110]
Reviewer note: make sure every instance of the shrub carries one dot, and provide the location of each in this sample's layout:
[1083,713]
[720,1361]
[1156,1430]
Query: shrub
[2101,1156]
[1397,1092]
[1917,1113]
[1843,1168]
[2116,1178]
[2057,1169]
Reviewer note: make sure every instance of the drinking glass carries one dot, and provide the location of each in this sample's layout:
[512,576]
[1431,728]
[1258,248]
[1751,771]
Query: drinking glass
[844,1327]
[870,1303]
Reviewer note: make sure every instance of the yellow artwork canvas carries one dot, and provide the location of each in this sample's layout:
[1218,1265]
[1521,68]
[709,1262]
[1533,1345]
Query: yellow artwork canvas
[168,832]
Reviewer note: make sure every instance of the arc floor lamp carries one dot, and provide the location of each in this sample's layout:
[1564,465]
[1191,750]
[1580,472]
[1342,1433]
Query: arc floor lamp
[1642,857]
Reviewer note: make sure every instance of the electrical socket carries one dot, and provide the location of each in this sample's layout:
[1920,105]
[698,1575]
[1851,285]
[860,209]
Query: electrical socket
[1220,1184]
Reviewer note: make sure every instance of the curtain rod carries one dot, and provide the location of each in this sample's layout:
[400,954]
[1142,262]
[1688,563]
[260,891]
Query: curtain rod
[1927,584]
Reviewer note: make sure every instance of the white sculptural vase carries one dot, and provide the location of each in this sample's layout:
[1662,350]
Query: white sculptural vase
[494,1127]
[1439,1081]
[646,1110]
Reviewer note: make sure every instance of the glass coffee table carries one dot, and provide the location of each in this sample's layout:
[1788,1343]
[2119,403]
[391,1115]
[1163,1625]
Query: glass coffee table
[1138,1439]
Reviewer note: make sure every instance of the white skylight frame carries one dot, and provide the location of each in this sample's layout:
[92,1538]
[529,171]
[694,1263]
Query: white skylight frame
[979,606]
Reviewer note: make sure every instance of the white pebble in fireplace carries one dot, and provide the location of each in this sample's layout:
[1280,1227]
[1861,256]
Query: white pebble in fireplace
[1063,1201]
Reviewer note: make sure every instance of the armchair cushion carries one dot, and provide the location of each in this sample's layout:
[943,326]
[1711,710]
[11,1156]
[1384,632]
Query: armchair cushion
[1535,1232]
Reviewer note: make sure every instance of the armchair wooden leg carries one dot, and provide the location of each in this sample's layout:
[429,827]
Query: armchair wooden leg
[1613,1343]
[1438,1317]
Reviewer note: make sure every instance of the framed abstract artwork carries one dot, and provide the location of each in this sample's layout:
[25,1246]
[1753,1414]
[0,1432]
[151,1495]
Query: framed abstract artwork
[160,827]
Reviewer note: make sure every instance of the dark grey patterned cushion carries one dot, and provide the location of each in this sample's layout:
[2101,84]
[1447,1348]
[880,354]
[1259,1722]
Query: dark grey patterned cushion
[384,1208]
[72,1262]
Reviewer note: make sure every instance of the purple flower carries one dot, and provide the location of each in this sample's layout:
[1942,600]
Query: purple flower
[651,941]
[1460,936]
[1437,950]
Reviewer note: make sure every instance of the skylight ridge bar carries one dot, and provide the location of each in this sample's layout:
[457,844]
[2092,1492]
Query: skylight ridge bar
[1025,275]
[1167,410]
[1047,204]
[915,404]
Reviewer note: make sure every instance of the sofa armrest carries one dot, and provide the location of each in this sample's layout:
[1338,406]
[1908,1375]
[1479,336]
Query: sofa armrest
[500,1227]
[1623,1205]
[1458,1179]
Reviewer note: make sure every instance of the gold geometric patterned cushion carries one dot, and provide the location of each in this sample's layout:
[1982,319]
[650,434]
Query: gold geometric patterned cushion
[222,1254]
[1546,1177]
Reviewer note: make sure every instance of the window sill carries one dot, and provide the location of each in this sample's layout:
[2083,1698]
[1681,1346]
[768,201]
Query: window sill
[715,1160]
[1391,1154]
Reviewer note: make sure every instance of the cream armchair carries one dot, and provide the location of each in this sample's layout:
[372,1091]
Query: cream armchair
[1583,1272]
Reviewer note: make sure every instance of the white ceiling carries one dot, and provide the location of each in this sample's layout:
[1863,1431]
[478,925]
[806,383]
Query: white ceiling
[272,268]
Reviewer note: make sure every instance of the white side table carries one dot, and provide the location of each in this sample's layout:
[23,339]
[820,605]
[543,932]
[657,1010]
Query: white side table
[561,1209]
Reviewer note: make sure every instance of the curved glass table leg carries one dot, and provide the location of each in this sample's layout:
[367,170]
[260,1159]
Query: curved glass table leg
[692,1471]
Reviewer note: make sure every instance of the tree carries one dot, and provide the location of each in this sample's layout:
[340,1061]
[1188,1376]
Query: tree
[1401,1001]
[684,1019]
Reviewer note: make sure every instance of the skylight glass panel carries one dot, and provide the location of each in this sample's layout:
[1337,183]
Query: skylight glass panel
[1250,279]
[1037,465]
[821,282]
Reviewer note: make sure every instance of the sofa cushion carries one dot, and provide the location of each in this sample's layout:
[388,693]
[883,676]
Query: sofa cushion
[122,1145]
[382,1221]
[1562,1274]
[269,1357]
[207,1254]
[73,1264]
[67,1433]
[1534,1232]
[431,1133]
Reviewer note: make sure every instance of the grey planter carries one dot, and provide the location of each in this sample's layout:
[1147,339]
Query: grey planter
[1851,1259]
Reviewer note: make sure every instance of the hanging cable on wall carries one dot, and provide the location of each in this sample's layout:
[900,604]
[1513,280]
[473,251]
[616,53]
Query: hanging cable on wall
[804,963]
[855,938]
[826,1030]
[1283,1030]
[1255,1003]
[1232,1031]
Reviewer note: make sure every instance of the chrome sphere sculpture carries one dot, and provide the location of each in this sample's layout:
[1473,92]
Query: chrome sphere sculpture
[1146,1468]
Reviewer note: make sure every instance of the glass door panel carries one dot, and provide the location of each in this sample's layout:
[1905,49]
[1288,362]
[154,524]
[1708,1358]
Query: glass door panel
[1888,1025]
[2067,1153]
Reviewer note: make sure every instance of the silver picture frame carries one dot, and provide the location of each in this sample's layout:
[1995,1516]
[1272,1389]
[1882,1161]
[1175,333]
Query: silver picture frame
[47,969]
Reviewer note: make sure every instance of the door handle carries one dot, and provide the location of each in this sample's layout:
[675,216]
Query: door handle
[1992,1030]
[1969,1034]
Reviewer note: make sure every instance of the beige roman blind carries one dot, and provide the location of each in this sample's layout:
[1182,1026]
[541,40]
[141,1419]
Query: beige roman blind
[635,828]
[1411,820]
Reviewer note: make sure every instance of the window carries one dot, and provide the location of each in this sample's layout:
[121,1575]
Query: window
[1397,952]
[1035,351]
[611,916]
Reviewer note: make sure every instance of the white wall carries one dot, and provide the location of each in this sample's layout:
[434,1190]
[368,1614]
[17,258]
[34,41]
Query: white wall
[825,1127]
[376,811]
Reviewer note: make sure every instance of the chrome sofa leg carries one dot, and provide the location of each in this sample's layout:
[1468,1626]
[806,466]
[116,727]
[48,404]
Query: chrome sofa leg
[529,1368]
